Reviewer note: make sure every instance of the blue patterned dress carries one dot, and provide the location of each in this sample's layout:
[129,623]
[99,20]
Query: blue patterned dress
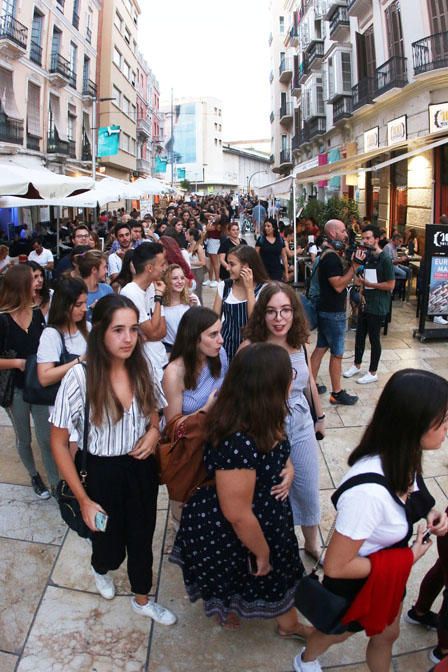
[213,559]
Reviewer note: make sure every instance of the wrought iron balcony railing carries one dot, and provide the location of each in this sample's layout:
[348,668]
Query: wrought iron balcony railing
[430,53]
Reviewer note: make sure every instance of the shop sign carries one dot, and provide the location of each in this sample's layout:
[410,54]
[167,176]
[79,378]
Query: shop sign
[306,165]
[397,130]
[372,139]
[436,259]
[438,117]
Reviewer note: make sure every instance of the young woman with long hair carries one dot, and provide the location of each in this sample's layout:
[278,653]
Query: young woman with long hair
[248,455]
[174,255]
[126,275]
[236,297]
[271,248]
[176,300]
[42,294]
[67,321]
[21,326]
[278,318]
[196,255]
[214,233]
[232,240]
[123,432]
[93,270]
[197,365]
[411,417]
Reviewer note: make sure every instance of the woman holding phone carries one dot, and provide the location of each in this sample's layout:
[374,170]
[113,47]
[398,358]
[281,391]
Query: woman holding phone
[123,432]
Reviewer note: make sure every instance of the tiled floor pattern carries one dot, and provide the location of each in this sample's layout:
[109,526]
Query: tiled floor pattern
[52,620]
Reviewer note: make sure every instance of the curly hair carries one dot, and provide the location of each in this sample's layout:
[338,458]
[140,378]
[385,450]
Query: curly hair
[256,330]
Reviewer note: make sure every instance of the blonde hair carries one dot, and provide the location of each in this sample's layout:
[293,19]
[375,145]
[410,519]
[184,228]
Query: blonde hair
[168,296]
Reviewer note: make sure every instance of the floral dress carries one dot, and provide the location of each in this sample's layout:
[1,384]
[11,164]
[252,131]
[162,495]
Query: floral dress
[213,559]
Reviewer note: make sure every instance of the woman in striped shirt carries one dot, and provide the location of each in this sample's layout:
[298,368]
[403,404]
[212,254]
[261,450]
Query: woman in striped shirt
[123,434]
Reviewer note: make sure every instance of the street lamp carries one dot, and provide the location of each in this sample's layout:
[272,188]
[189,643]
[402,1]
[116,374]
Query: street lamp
[257,172]
[94,130]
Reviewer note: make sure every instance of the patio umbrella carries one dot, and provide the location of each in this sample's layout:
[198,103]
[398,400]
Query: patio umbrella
[16,180]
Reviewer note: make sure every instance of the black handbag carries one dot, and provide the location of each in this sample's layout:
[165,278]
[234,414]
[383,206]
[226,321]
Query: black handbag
[6,375]
[33,391]
[68,504]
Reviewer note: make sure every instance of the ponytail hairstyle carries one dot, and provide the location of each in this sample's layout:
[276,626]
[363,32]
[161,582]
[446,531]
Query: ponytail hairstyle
[88,261]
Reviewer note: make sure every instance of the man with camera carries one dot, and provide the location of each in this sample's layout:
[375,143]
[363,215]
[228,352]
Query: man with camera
[377,279]
[333,282]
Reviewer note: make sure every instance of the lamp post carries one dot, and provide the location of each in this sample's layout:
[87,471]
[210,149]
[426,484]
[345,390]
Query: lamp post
[94,131]
[257,172]
[204,166]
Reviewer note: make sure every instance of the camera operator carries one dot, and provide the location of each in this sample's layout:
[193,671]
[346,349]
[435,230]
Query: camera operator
[377,278]
[331,309]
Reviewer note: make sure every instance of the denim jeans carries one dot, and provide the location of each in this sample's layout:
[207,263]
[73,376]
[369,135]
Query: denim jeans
[331,332]
[20,414]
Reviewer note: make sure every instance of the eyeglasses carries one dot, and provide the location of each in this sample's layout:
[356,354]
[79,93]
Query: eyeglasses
[272,314]
[294,373]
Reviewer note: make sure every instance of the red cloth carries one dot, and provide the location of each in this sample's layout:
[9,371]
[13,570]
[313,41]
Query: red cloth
[378,602]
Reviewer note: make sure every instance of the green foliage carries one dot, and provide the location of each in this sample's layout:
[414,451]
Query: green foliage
[335,208]
[185,184]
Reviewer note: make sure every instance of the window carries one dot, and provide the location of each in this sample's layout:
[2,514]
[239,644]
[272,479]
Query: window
[75,17]
[71,127]
[132,146]
[118,22]
[127,35]
[346,67]
[86,72]
[89,25]
[117,58]
[394,30]
[36,38]
[116,93]
[320,107]
[134,112]
[125,105]
[133,78]
[73,58]
[126,69]
[330,70]
[365,50]
[281,21]
[124,141]
[438,13]
[56,41]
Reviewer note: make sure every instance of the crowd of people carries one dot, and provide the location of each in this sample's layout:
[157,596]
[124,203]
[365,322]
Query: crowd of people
[122,339]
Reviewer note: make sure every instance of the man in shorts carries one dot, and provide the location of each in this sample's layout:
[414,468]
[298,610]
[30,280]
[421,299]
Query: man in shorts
[333,282]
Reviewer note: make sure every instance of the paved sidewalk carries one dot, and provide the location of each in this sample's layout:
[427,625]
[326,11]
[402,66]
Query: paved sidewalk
[51,618]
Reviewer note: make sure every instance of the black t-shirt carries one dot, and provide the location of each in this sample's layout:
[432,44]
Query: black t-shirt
[271,255]
[330,301]
[24,343]
[224,248]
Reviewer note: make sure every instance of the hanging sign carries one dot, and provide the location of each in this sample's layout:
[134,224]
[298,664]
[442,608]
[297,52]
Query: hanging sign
[108,140]
[397,130]
[372,139]
[438,117]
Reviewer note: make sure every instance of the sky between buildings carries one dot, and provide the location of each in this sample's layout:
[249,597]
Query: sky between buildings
[213,48]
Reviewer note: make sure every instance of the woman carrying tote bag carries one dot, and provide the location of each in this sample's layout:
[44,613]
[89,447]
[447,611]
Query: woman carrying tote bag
[21,326]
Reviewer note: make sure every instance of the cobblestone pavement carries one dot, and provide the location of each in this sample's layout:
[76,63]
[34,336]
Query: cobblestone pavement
[51,618]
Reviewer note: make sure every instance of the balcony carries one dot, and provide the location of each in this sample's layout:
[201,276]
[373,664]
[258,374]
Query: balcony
[342,108]
[32,142]
[391,75]
[88,89]
[75,20]
[144,128]
[13,37]
[314,54]
[286,112]
[304,70]
[86,152]
[35,53]
[340,24]
[362,92]
[359,8]
[285,70]
[89,35]
[285,157]
[11,130]
[316,126]
[272,117]
[294,36]
[295,142]
[60,71]
[431,53]
[295,84]
[56,146]
[144,166]
[72,79]
[72,149]
[304,135]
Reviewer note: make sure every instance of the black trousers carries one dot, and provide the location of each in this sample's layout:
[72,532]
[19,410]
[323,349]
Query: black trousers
[371,325]
[127,490]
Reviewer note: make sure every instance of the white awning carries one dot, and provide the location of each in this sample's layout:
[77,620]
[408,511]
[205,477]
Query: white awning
[8,101]
[281,187]
[16,179]
[59,124]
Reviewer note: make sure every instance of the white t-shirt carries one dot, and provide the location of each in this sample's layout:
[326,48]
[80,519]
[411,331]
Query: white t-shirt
[44,258]
[50,345]
[114,264]
[173,315]
[144,301]
[369,512]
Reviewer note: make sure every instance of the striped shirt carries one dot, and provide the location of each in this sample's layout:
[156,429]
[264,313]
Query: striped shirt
[110,439]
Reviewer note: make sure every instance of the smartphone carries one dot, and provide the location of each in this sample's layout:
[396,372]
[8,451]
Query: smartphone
[101,521]
[426,537]
[252,563]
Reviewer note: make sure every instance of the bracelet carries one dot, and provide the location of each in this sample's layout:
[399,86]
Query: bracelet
[158,298]
[321,417]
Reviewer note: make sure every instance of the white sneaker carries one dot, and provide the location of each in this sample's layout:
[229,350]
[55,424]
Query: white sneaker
[105,585]
[300,666]
[440,320]
[215,284]
[206,283]
[367,378]
[352,371]
[155,611]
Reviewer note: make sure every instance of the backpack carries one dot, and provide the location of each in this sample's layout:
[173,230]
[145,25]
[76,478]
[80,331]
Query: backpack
[180,455]
[310,299]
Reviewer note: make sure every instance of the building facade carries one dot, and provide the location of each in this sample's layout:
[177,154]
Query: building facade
[117,75]
[368,85]
[48,60]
